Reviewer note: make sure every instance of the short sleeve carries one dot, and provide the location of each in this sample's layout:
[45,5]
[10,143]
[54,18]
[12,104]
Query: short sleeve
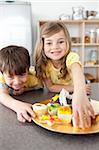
[3,86]
[72,58]
[1,78]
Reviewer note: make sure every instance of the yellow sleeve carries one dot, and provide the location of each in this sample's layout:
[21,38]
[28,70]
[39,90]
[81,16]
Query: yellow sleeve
[72,58]
[33,81]
[1,78]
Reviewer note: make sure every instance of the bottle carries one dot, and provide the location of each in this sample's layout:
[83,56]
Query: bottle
[97,35]
[87,37]
[92,36]
[93,56]
[77,13]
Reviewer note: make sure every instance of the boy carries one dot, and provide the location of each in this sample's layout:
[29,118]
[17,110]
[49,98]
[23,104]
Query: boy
[15,78]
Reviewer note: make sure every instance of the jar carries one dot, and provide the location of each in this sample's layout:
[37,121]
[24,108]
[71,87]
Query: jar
[77,13]
[64,17]
[92,36]
[97,35]
[93,56]
[87,37]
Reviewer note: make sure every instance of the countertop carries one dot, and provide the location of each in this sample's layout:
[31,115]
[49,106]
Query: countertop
[29,136]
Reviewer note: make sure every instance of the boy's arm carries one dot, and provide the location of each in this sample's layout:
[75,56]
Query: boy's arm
[56,87]
[82,109]
[22,109]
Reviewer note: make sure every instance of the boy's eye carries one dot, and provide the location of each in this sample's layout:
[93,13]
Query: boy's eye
[10,77]
[23,74]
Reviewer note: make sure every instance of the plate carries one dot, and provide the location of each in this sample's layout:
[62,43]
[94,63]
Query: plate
[69,129]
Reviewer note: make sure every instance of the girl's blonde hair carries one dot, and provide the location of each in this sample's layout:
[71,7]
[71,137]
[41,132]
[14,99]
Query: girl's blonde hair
[40,60]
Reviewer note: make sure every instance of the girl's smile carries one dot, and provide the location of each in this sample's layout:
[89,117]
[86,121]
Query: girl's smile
[55,46]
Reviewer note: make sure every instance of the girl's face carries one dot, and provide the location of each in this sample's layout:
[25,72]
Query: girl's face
[55,46]
[16,82]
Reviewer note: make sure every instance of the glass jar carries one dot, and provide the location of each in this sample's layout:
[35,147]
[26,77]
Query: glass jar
[92,36]
[77,13]
[93,56]
[87,37]
[97,35]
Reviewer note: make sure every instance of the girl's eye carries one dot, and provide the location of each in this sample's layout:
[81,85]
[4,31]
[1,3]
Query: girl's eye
[49,43]
[61,42]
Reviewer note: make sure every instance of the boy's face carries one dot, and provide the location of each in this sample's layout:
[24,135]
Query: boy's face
[16,82]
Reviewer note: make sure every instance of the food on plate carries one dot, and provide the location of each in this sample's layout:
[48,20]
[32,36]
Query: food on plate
[39,109]
[59,110]
[65,114]
[53,108]
[55,98]
[50,119]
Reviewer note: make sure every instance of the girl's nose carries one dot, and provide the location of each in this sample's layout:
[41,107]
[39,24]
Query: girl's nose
[55,45]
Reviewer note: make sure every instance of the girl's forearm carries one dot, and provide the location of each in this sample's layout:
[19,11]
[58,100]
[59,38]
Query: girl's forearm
[58,88]
[78,78]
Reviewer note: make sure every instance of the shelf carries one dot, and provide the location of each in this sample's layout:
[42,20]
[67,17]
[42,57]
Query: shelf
[76,44]
[91,44]
[85,44]
[91,66]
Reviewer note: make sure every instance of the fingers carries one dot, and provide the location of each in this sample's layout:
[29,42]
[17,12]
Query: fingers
[75,119]
[20,118]
[85,120]
[26,115]
[31,112]
[88,89]
[82,118]
[91,111]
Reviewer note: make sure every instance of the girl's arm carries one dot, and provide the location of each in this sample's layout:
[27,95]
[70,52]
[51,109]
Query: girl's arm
[23,110]
[82,109]
[57,87]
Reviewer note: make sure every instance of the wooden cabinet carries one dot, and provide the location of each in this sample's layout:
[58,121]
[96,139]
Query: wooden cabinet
[85,41]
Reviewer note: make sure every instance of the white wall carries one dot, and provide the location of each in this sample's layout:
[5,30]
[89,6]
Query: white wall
[51,9]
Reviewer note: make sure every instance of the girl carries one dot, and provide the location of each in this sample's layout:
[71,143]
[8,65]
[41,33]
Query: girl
[59,68]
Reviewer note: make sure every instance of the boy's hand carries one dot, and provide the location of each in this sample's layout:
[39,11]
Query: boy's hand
[24,111]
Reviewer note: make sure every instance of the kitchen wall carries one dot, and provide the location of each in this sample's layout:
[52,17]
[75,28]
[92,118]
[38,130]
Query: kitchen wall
[51,9]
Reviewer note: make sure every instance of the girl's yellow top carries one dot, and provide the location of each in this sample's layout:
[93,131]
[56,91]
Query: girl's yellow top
[54,74]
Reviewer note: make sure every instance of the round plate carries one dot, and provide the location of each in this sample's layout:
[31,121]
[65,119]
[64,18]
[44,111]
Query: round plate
[69,129]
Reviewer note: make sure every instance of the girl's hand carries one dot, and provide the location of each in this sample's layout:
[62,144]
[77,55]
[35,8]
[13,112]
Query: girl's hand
[88,89]
[82,110]
[24,111]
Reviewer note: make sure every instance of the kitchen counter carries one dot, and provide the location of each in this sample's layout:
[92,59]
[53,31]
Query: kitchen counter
[29,136]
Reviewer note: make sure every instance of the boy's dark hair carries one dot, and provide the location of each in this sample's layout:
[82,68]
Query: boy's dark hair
[14,60]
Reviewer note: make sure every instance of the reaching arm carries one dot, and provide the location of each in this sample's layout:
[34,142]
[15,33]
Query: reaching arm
[57,87]
[23,110]
[82,109]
